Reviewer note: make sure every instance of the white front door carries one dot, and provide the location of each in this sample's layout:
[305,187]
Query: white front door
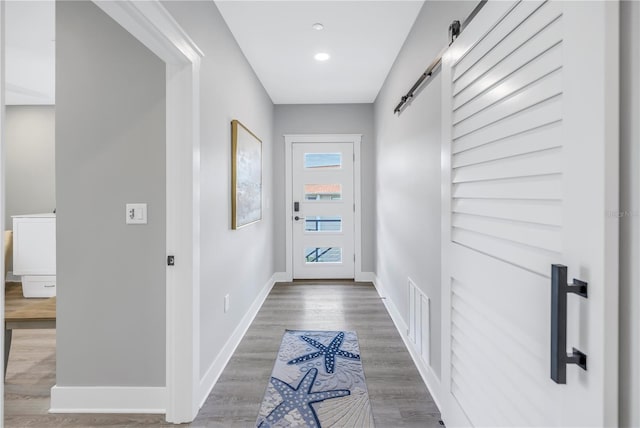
[323,210]
[530,155]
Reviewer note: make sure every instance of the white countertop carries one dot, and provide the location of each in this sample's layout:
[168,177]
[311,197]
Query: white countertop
[46,215]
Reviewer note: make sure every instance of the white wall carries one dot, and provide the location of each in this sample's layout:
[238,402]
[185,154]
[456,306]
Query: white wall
[408,169]
[629,395]
[326,119]
[234,262]
[30,161]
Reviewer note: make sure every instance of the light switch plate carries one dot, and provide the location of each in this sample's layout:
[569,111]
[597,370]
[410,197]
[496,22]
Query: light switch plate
[136,213]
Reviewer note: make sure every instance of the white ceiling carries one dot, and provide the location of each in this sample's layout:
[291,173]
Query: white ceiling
[30,52]
[363,38]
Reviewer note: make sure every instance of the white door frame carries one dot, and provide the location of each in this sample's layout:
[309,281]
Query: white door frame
[153,25]
[289,140]
[2,193]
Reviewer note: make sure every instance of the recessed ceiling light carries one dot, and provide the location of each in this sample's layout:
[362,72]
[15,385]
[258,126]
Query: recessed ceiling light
[317,26]
[322,56]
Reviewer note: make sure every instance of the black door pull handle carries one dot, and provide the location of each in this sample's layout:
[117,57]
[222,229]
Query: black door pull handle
[559,291]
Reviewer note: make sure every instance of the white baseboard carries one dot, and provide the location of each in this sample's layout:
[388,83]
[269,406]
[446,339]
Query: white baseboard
[214,371]
[428,376]
[108,399]
[365,277]
[111,399]
[282,277]
[359,276]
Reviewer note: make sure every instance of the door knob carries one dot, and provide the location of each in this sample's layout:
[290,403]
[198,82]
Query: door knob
[296,218]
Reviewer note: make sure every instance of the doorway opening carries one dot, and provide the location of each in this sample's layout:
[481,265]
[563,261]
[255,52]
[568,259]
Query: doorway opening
[29,220]
[154,27]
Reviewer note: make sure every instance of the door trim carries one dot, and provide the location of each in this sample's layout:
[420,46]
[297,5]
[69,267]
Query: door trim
[355,139]
[154,27]
[2,188]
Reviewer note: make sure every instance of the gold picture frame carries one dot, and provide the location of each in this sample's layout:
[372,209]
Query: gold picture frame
[246,176]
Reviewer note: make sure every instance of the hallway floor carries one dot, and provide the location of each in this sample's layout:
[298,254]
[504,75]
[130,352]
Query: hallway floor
[398,395]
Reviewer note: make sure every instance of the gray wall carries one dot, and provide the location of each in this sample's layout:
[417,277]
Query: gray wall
[29,161]
[629,396]
[110,150]
[408,169]
[234,262]
[327,119]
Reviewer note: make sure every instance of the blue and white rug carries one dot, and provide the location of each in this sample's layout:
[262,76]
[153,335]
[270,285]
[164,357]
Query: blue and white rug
[317,381]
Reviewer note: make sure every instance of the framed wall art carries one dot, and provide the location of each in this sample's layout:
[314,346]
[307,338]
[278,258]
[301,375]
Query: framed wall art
[246,176]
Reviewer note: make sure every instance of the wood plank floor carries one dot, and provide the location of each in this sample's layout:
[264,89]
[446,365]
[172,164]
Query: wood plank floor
[398,395]
[30,376]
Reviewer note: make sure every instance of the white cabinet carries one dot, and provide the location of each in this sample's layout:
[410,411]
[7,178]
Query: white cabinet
[34,253]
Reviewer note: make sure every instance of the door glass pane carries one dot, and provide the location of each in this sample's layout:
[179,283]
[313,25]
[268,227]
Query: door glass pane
[322,192]
[323,255]
[323,224]
[323,160]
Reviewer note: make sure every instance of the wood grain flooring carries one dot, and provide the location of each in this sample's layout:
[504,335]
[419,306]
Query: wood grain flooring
[30,376]
[398,395]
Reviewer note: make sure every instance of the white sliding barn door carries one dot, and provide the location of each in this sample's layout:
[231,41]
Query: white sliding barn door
[529,180]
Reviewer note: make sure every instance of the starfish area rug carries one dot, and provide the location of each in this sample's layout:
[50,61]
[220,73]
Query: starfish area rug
[317,381]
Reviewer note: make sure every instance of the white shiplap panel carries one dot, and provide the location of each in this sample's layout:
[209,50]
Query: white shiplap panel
[546,137]
[533,234]
[469,375]
[520,368]
[543,162]
[512,64]
[502,326]
[515,403]
[500,307]
[518,13]
[547,187]
[478,329]
[475,387]
[528,31]
[537,68]
[528,258]
[472,396]
[539,115]
[507,301]
[543,89]
[547,212]
[494,367]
